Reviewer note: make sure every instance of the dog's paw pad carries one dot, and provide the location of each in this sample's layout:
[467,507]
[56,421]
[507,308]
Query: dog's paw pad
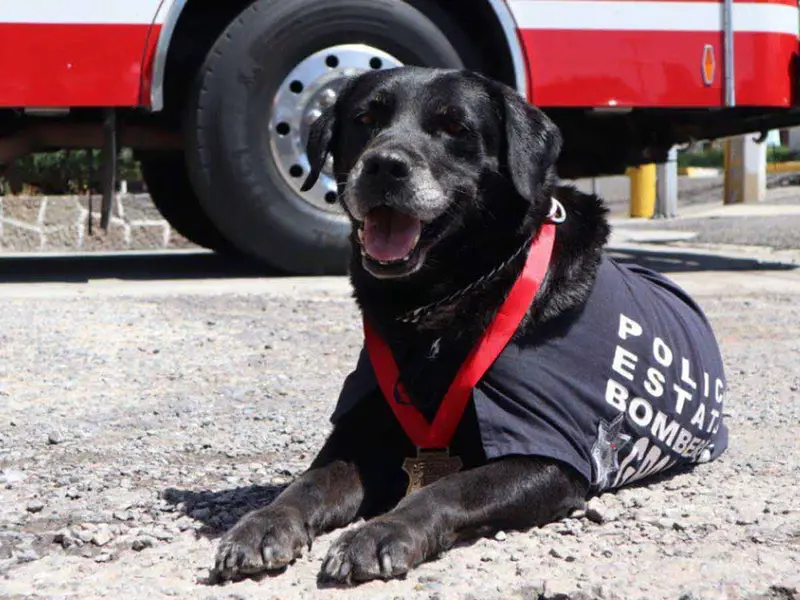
[377,550]
[262,541]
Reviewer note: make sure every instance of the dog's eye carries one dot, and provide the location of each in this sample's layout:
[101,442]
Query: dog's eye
[453,127]
[366,118]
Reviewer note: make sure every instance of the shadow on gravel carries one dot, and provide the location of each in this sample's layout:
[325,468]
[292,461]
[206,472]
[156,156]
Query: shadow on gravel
[132,267]
[219,511]
[675,261]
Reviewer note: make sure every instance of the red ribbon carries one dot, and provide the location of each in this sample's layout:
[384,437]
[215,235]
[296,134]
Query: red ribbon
[439,433]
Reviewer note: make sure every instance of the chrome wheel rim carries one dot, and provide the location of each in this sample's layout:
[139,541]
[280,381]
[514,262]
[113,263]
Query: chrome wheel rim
[307,90]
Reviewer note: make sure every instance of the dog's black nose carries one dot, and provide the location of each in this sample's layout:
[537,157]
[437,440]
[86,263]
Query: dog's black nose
[387,164]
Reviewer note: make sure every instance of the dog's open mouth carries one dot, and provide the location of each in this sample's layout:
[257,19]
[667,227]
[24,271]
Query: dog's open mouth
[388,236]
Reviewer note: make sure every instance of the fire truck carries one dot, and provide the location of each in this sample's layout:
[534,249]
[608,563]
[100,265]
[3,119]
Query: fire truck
[215,98]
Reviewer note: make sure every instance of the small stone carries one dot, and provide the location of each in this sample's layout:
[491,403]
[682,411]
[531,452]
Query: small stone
[28,555]
[64,538]
[54,437]
[514,557]
[142,542]
[645,516]
[85,535]
[556,552]
[103,558]
[200,513]
[164,536]
[598,512]
[673,513]
[676,484]
[9,477]
[665,523]
[749,515]
[226,518]
[183,524]
[500,536]
[603,591]
[102,536]
[73,494]
[34,506]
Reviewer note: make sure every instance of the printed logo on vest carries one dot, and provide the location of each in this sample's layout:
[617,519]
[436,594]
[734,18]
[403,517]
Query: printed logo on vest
[605,451]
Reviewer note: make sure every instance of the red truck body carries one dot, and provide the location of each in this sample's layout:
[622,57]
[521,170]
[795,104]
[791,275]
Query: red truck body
[624,79]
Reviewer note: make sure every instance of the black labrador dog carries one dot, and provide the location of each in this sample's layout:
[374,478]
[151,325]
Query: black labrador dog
[607,374]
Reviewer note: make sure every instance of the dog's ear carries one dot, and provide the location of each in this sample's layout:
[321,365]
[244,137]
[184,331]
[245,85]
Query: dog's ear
[533,144]
[321,136]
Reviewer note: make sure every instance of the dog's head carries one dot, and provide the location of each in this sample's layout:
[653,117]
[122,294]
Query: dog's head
[415,151]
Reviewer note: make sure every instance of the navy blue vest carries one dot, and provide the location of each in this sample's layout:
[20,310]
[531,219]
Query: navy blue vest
[630,384]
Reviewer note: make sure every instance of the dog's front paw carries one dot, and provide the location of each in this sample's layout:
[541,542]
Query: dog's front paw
[379,549]
[263,540]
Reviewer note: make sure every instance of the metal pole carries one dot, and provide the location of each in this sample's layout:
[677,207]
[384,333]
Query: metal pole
[109,163]
[667,186]
[728,62]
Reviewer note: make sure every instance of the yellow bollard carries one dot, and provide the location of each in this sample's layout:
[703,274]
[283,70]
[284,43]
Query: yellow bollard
[643,190]
[727,182]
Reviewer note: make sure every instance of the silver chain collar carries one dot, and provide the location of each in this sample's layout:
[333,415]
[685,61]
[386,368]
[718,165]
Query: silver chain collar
[557,214]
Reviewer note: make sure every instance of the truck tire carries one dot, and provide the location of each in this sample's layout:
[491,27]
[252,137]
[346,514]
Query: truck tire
[264,81]
[173,196]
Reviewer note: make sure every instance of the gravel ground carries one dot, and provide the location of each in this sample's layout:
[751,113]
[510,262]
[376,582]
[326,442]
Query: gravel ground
[134,429]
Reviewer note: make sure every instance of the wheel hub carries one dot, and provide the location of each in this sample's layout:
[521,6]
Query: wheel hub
[307,90]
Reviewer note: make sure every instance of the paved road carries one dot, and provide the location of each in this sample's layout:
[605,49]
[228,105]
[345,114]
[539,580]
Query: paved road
[691,190]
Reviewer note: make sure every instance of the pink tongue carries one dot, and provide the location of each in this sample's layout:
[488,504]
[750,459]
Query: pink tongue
[389,234]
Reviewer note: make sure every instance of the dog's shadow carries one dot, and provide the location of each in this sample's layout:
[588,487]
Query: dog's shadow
[219,511]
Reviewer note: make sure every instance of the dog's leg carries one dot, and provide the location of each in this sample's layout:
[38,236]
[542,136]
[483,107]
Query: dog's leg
[345,481]
[513,493]
[268,538]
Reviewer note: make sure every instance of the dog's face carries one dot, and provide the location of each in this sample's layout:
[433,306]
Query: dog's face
[413,152]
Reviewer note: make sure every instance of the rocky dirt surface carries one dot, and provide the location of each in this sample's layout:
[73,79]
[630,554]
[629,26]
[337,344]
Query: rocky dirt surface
[134,428]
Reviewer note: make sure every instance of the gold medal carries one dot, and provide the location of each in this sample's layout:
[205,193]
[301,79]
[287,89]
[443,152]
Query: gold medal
[429,466]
